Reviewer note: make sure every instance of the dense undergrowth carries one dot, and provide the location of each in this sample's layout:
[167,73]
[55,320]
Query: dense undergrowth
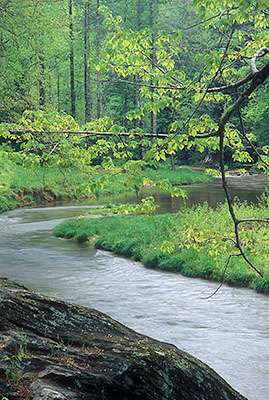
[20,186]
[193,242]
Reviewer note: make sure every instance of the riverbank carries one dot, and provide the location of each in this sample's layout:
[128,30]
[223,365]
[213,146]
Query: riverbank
[190,242]
[21,187]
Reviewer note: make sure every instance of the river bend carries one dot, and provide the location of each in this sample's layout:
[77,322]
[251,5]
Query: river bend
[230,331]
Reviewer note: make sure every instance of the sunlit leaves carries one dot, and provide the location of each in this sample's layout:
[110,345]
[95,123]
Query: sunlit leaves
[147,206]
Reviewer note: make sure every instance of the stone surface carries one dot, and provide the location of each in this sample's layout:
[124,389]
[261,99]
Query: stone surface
[53,350]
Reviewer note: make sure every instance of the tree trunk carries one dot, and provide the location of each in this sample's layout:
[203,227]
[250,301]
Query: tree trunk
[172,155]
[139,98]
[58,92]
[41,81]
[172,162]
[72,73]
[87,71]
[152,23]
[98,54]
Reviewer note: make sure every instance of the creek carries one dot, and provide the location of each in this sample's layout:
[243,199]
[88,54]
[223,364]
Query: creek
[229,332]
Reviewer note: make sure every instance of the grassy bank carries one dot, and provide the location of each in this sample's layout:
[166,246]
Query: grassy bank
[190,242]
[27,187]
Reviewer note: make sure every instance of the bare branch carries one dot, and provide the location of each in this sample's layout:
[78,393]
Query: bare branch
[229,238]
[54,148]
[266,220]
[222,278]
[222,168]
[264,50]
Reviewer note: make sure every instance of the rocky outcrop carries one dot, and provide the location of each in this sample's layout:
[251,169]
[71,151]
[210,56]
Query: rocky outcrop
[53,350]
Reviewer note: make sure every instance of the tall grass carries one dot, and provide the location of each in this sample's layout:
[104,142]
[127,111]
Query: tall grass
[180,176]
[190,242]
[20,186]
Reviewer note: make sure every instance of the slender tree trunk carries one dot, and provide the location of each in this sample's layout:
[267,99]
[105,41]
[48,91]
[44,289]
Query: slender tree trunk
[125,109]
[41,81]
[152,22]
[87,71]
[172,162]
[139,98]
[98,54]
[72,72]
[172,155]
[135,102]
[58,92]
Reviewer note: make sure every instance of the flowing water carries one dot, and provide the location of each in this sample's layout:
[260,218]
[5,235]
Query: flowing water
[230,331]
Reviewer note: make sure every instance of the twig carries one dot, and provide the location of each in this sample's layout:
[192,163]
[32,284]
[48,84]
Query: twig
[54,148]
[224,239]
[222,278]
[253,220]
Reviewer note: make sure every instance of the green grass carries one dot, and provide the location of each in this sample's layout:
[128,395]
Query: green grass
[180,176]
[27,187]
[189,242]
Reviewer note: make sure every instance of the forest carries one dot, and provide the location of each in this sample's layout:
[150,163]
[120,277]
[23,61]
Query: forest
[95,60]
[109,91]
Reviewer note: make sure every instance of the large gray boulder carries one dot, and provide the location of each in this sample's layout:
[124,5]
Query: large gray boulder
[53,350]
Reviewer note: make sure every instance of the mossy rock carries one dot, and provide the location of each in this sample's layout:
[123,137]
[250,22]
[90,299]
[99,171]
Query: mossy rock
[51,349]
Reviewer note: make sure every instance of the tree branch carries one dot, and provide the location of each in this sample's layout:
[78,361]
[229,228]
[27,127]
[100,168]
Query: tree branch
[89,133]
[170,87]
[232,86]
[222,278]
[209,19]
[261,52]
[253,220]
[243,131]
[264,50]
